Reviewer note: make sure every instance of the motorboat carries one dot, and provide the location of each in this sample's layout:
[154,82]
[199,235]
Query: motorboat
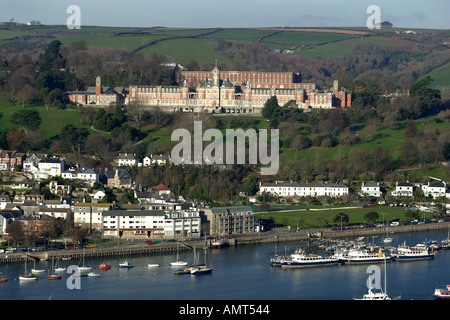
[151,265]
[93,274]
[300,259]
[220,243]
[104,266]
[125,264]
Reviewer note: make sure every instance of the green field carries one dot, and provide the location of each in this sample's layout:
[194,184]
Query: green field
[185,49]
[356,216]
[341,48]
[127,43]
[441,78]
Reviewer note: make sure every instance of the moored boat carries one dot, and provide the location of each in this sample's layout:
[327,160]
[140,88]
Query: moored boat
[418,252]
[84,268]
[52,276]
[219,243]
[370,295]
[125,264]
[357,256]
[3,279]
[93,274]
[299,259]
[28,277]
[442,293]
[151,265]
[104,266]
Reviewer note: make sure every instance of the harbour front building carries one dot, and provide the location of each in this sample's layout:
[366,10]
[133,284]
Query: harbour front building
[236,92]
[230,220]
[151,223]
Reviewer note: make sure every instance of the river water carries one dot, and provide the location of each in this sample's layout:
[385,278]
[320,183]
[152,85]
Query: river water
[240,273]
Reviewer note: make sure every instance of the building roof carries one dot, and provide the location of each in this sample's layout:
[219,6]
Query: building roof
[231,210]
[122,213]
[160,187]
[303,185]
[89,204]
[123,174]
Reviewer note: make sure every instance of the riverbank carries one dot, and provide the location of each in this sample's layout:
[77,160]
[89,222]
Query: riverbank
[278,236]
[274,236]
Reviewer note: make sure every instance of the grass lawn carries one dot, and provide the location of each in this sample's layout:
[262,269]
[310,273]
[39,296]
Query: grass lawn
[356,216]
[53,120]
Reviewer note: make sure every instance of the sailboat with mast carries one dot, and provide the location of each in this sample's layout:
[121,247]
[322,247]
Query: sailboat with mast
[52,275]
[84,267]
[178,262]
[201,269]
[27,276]
[382,295]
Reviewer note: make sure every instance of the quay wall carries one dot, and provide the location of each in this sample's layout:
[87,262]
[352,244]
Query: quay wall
[293,235]
[109,251]
[273,236]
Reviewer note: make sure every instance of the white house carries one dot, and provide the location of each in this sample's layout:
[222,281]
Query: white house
[31,163]
[155,159]
[98,195]
[371,189]
[403,189]
[83,173]
[4,200]
[435,189]
[301,189]
[126,159]
[51,167]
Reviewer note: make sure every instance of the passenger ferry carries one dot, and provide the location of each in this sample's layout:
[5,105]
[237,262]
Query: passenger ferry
[418,252]
[442,293]
[299,259]
[355,256]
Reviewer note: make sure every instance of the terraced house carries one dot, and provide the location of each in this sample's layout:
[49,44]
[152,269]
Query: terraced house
[300,189]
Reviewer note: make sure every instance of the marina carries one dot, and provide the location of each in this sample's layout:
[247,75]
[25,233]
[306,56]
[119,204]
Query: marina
[253,277]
